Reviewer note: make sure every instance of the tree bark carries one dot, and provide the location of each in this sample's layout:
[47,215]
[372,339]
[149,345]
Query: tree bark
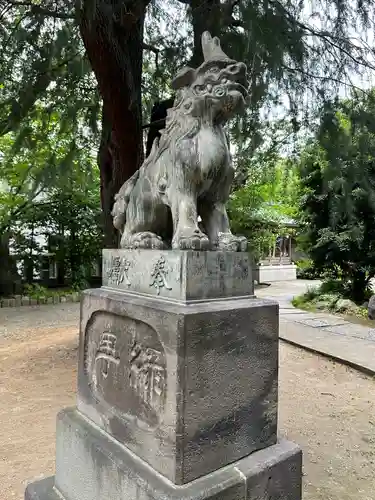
[206,15]
[158,119]
[113,37]
[10,281]
[359,285]
[107,166]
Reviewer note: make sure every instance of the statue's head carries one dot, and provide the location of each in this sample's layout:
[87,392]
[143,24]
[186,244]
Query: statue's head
[218,86]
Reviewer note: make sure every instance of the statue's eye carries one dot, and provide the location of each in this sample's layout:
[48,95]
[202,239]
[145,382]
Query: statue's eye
[219,91]
[232,68]
[215,69]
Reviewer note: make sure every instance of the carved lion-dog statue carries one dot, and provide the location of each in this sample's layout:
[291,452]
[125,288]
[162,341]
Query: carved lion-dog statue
[189,172]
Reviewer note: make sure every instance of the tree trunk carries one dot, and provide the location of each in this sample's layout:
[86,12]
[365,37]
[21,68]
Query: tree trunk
[60,258]
[10,281]
[157,122]
[108,162]
[206,15]
[74,257]
[113,37]
[359,285]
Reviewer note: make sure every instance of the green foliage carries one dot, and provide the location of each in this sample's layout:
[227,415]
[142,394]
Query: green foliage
[35,291]
[47,86]
[264,205]
[298,55]
[166,50]
[307,271]
[287,51]
[41,293]
[332,296]
[70,221]
[50,107]
[62,204]
[307,297]
[338,176]
[29,168]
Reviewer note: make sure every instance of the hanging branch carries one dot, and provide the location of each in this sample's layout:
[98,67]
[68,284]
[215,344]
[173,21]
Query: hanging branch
[153,49]
[37,9]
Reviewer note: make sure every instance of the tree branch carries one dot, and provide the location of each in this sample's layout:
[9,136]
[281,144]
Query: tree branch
[29,95]
[37,9]
[324,35]
[324,78]
[230,4]
[153,49]
[236,23]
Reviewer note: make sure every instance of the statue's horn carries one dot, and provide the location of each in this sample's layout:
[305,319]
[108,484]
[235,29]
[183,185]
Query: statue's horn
[211,47]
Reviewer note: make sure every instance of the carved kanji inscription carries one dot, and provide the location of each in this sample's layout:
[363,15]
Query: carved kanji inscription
[125,368]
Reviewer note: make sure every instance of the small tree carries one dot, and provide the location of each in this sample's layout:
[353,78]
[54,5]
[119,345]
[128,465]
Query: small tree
[338,175]
[63,202]
[258,209]
[69,218]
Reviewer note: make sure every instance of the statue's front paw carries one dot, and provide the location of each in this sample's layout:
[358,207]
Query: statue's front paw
[191,240]
[231,243]
[145,240]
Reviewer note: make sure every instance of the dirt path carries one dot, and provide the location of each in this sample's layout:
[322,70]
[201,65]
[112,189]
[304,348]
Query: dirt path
[329,410]
[325,407]
[37,379]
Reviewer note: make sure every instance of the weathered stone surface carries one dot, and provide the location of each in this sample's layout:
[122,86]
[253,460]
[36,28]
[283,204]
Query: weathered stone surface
[179,275]
[43,490]
[92,467]
[346,305]
[189,171]
[25,301]
[187,388]
[178,361]
[371,307]
[271,273]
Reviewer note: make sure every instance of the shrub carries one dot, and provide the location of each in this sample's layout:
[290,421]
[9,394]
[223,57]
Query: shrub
[307,271]
[35,291]
[332,295]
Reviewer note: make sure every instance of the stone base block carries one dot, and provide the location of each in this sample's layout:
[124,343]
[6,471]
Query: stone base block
[269,274]
[187,388]
[179,275]
[92,466]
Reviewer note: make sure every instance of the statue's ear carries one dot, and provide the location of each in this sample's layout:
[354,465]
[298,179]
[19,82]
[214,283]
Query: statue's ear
[184,78]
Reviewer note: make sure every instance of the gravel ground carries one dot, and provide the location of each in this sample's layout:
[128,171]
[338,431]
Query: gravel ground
[325,407]
[17,321]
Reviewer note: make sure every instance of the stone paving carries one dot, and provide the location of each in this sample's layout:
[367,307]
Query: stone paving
[326,334]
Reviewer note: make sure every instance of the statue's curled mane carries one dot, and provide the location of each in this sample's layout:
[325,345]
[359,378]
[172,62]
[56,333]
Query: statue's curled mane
[177,127]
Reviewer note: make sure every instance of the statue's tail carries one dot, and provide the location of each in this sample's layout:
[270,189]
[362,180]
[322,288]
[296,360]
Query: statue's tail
[121,202]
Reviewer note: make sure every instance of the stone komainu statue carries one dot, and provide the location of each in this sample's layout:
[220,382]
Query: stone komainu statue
[189,170]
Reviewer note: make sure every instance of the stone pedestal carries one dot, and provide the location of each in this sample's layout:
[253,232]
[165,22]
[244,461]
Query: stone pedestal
[177,386]
[270,273]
